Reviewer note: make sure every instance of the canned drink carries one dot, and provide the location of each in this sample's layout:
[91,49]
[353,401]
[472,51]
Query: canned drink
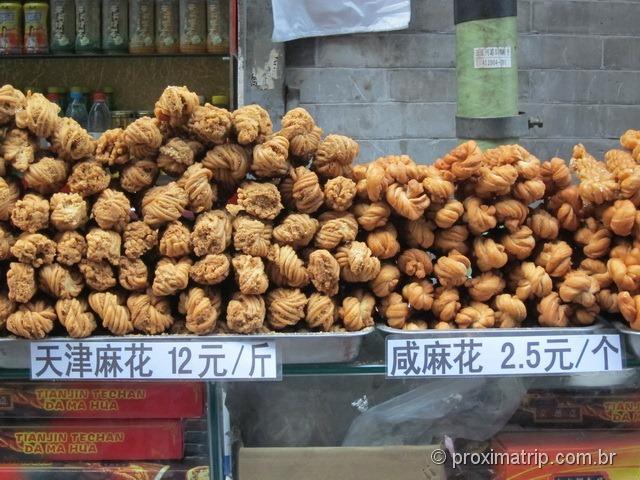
[36,36]
[10,28]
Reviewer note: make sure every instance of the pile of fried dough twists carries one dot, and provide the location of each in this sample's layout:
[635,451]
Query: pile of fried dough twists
[206,221]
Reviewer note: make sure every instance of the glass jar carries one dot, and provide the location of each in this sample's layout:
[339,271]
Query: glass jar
[63,26]
[167,26]
[114,26]
[193,26]
[121,118]
[10,28]
[220,101]
[36,36]
[218,26]
[141,39]
[87,26]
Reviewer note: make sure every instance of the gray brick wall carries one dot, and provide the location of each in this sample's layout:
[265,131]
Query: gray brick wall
[395,92]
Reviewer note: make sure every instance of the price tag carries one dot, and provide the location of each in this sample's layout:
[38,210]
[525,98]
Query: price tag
[486,354]
[129,359]
[492,57]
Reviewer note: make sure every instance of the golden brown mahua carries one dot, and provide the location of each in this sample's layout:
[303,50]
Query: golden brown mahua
[260,200]
[503,155]
[359,176]
[543,225]
[579,287]
[252,236]
[46,176]
[335,231]
[356,311]
[371,215]
[11,100]
[386,281]
[463,161]
[419,295]
[479,217]
[301,131]
[530,280]
[597,184]
[519,243]
[138,239]
[163,204]
[201,306]
[59,281]
[229,164]
[556,175]
[322,312]
[408,200]
[285,307]
[415,263]
[111,149]
[210,125]
[630,309]
[34,249]
[489,254]
[210,269]
[395,310]
[139,175]
[113,312]
[71,248]
[454,238]
[335,155]
[289,267]
[495,181]
[21,281]
[486,286]
[476,315]
[68,211]
[416,325]
[620,217]
[552,312]
[142,137]
[439,189]
[175,105]
[103,245]
[529,191]
[75,317]
[211,233]
[307,193]
[112,210]
[626,277]
[250,274]
[595,238]
[608,300]
[324,272]
[7,240]
[555,258]
[452,270]
[567,206]
[449,214]
[528,166]
[271,158]
[175,156]
[357,264]
[511,213]
[149,314]
[133,274]
[383,242]
[446,303]
[598,270]
[583,316]
[509,311]
[339,193]
[251,124]
[39,115]
[18,148]
[630,140]
[97,275]
[195,181]
[171,276]
[31,213]
[88,178]
[72,142]
[175,241]
[9,195]
[245,313]
[377,180]
[296,230]
[32,320]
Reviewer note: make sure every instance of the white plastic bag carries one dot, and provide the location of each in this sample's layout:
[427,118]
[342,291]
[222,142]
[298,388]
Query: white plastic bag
[313,18]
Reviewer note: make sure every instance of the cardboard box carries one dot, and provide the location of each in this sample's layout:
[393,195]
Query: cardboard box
[101,400]
[343,463]
[87,440]
[562,455]
[103,471]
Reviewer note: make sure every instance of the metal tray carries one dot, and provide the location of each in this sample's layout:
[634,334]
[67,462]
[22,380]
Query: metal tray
[470,332]
[631,338]
[296,348]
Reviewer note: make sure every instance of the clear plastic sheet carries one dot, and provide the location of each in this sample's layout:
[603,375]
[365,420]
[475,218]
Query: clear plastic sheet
[313,18]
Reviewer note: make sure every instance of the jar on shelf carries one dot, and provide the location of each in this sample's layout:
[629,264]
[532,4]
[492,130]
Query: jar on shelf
[109,92]
[193,26]
[218,26]
[62,26]
[121,118]
[87,26]
[114,26]
[141,38]
[167,26]
[10,28]
[220,101]
[36,36]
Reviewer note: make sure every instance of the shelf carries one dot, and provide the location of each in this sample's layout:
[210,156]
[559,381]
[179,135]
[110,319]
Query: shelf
[223,57]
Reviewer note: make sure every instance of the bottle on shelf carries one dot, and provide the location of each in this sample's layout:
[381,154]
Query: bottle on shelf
[167,26]
[114,26]
[109,92]
[99,115]
[220,101]
[87,26]
[56,95]
[10,28]
[77,108]
[141,38]
[63,26]
[36,37]
[193,26]
[217,26]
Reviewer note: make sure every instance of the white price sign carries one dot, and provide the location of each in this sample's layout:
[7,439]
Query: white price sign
[484,354]
[492,57]
[129,359]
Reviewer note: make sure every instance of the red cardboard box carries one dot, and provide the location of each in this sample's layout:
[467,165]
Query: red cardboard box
[89,440]
[101,400]
[103,471]
[584,455]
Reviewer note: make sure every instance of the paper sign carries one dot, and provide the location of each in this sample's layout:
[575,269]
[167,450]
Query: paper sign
[492,57]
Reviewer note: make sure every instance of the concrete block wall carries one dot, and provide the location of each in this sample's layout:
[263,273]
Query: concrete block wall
[395,92]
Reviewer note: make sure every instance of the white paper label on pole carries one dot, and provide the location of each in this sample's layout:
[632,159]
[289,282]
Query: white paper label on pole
[492,57]
[154,360]
[499,355]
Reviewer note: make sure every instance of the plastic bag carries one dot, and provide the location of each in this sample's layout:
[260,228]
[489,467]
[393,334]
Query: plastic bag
[469,408]
[313,18]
